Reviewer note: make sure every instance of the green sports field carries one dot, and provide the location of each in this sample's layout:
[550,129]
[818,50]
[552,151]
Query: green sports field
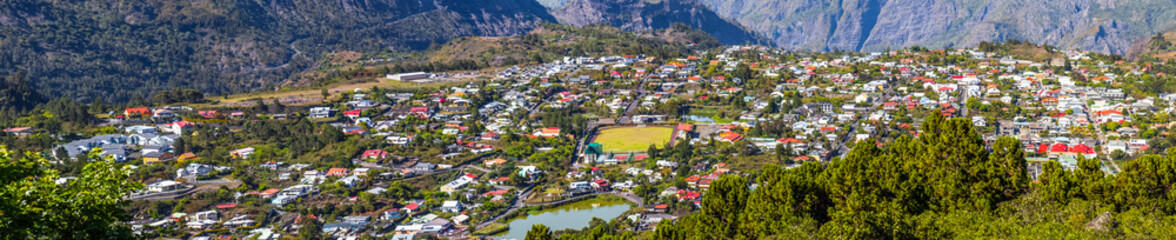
[620,140]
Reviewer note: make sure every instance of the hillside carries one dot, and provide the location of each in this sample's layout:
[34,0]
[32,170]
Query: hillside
[643,15]
[121,50]
[482,57]
[1106,26]
[553,41]
[1162,46]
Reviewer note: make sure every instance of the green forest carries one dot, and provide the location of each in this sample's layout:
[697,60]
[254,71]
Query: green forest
[943,184]
[119,50]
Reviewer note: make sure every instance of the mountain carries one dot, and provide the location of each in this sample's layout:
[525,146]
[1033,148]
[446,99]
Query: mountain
[120,50]
[1107,26]
[646,15]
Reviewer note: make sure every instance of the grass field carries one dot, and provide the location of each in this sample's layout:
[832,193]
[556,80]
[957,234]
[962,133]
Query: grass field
[633,138]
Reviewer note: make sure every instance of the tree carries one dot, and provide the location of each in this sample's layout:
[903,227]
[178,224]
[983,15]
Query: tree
[1056,183]
[539,232]
[1118,155]
[260,106]
[652,151]
[310,229]
[88,207]
[278,107]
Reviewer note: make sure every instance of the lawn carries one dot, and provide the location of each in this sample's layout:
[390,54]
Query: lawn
[636,139]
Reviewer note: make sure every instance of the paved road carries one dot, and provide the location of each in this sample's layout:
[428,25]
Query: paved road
[627,116]
[584,139]
[518,203]
[847,141]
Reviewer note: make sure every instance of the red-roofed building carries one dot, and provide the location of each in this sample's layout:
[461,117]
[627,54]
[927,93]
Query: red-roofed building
[352,113]
[1059,148]
[411,208]
[1081,149]
[499,180]
[137,112]
[731,137]
[661,207]
[375,154]
[547,132]
[269,193]
[788,140]
[208,114]
[1109,112]
[600,184]
[337,172]
[693,180]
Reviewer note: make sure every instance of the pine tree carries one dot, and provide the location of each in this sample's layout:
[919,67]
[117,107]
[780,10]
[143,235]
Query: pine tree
[539,232]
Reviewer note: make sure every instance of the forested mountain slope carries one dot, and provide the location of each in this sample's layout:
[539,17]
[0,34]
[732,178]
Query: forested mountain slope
[117,50]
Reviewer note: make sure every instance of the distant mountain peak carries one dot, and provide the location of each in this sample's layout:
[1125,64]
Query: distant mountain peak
[647,15]
[1107,26]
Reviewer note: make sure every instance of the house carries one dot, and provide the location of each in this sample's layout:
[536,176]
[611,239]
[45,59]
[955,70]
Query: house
[194,170]
[202,220]
[412,208]
[164,186]
[178,127]
[579,187]
[269,193]
[320,112]
[451,206]
[424,167]
[156,157]
[490,136]
[137,112]
[361,171]
[350,181]
[243,153]
[312,176]
[353,114]
[282,200]
[547,132]
[188,156]
[499,180]
[493,162]
[337,172]
[530,172]
[730,137]
[458,183]
[375,154]
[208,114]
[600,184]
[408,76]
[979,121]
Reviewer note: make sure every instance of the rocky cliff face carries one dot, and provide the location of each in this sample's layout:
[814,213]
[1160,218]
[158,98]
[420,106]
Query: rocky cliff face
[1108,26]
[641,15]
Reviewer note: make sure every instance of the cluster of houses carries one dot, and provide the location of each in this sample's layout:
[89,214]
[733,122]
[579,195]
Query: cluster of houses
[816,111]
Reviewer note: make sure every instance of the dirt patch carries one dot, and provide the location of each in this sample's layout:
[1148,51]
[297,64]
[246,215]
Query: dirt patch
[345,57]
